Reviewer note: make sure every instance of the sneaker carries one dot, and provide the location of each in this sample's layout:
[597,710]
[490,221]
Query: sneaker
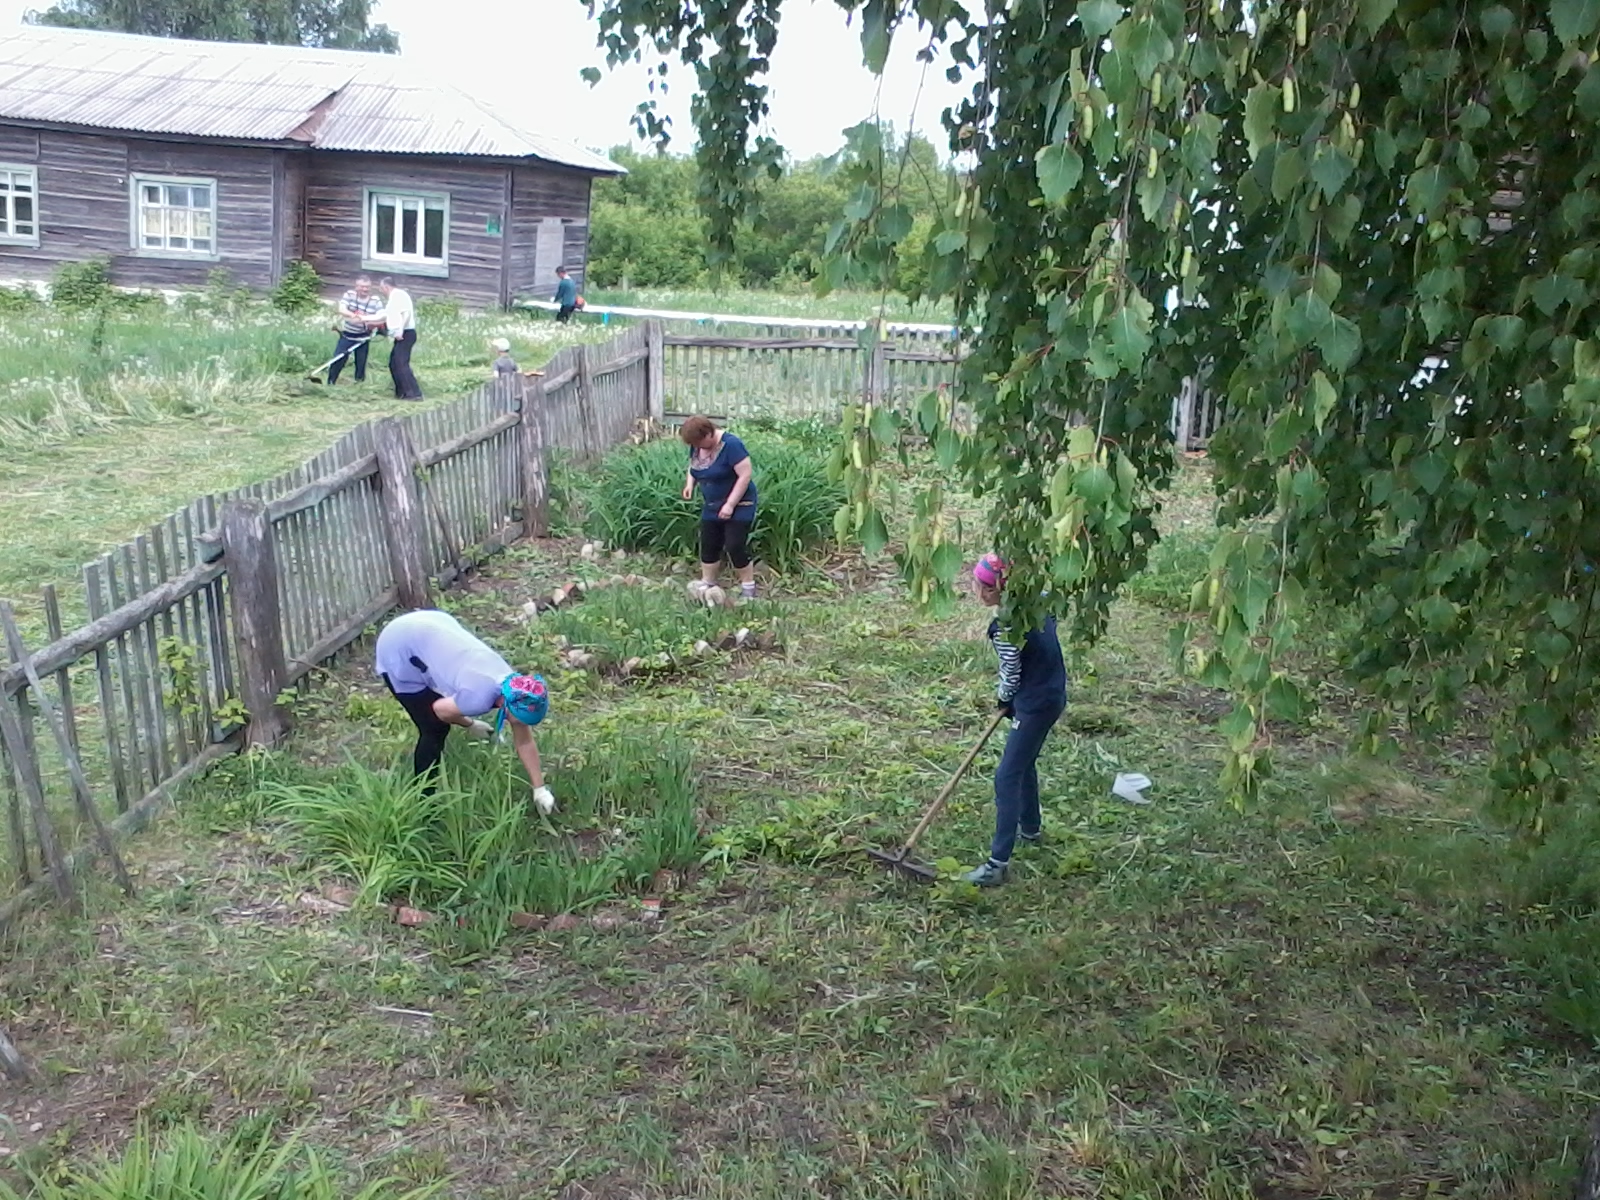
[990,874]
[747,591]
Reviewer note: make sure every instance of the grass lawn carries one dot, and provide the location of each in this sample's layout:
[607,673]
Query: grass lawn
[95,445]
[1319,998]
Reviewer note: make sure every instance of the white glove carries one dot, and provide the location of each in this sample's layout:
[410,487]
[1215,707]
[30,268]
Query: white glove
[479,730]
[545,801]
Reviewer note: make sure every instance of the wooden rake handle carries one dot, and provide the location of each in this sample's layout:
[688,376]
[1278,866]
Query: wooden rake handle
[940,800]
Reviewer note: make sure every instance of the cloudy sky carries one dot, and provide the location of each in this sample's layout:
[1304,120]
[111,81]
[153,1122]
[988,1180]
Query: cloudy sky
[525,55]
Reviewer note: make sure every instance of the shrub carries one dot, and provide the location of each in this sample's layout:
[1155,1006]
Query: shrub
[635,501]
[187,1164]
[299,292]
[438,308]
[18,299]
[80,286]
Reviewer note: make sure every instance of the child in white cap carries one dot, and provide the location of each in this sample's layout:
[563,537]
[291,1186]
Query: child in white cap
[504,364]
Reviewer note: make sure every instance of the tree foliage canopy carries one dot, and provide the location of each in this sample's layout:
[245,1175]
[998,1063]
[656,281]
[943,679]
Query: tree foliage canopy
[646,230]
[1370,223]
[337,24]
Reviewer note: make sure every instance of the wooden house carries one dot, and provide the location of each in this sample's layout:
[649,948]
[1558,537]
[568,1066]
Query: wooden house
[174,158]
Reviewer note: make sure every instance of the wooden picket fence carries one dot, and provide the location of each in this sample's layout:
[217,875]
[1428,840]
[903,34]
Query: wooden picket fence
[197,627]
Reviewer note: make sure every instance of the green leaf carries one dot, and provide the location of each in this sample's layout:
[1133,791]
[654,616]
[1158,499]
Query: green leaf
[1427,190]
[1309,317]
[1551,648]
[842,520]
[875,35]
[1574,20]
[1095,486]
[874,533]
[1258,593]
[895,222]
[1429,471]
[1261,106]
[1148,46]
[1437,614]
[928,413]
[949,241]
[1374,13]
[1059,167]
[1238,727]
[946,560]
[947,448]
[1324,398]
[1098,16]
[1081,442]
[1497,22]
[883,427]
[1331,168]
[1564,613]
[1505,333]
[1129,331]
[1340,343]
[1288,172]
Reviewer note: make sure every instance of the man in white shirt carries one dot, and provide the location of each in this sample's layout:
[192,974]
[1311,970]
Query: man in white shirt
[400,315]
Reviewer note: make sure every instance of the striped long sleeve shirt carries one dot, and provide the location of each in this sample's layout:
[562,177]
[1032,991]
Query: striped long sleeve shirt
[1033,677]
[1010,665]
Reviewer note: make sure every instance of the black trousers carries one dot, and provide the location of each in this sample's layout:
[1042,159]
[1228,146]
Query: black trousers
[406,386]
[350,347]
[565,313]
[431,731]
[732,536]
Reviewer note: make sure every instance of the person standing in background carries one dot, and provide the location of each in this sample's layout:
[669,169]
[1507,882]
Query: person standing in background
[566,295]
[356,311]
[400,315]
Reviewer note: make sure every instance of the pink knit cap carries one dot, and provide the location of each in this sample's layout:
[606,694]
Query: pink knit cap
[990,571]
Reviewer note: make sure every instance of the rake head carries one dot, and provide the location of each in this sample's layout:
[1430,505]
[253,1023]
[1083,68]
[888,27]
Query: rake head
[898,862]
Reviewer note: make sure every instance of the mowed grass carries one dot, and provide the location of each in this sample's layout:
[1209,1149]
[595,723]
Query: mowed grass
[107,427]
[1171,1001]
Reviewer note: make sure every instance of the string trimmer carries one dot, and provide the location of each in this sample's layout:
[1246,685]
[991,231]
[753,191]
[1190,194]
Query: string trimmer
[900,860]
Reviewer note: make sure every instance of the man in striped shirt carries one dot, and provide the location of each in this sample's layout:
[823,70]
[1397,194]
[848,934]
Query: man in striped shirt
[356,310]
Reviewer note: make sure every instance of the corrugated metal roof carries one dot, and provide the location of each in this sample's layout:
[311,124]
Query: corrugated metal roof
[324,99]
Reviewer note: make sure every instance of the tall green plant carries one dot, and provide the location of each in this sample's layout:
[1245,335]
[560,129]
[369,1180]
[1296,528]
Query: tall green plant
[635,501]
[188,1164]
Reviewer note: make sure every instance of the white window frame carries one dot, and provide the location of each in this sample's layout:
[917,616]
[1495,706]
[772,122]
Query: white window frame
[8,206]
[399,262]
[136,186]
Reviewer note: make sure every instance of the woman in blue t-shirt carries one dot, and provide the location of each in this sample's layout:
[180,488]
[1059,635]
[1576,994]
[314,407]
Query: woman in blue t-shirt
[720,465]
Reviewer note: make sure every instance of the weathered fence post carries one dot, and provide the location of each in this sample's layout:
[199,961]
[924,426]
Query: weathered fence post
[19,748]
[12,1064]
[1188,395]
[655,370]
[402,513]
[875,366]
[252,562]
[535,480]
[66,744]
[585,383]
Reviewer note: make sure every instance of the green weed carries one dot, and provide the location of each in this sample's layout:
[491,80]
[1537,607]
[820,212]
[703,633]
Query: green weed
[657,624]
[635,501]
[187,1164]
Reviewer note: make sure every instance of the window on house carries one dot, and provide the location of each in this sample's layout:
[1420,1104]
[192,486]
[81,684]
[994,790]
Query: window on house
[175,216]
[19,205]
[405,228]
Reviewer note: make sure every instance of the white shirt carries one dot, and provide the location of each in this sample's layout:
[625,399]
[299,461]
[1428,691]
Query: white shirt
[399,312]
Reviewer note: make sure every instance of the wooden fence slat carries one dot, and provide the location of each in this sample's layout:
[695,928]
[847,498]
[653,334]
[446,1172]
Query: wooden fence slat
[24,764]
[402,514]
[258,625]
[80,782]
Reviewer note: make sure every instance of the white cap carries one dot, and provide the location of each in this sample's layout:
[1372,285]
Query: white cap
[501,344]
